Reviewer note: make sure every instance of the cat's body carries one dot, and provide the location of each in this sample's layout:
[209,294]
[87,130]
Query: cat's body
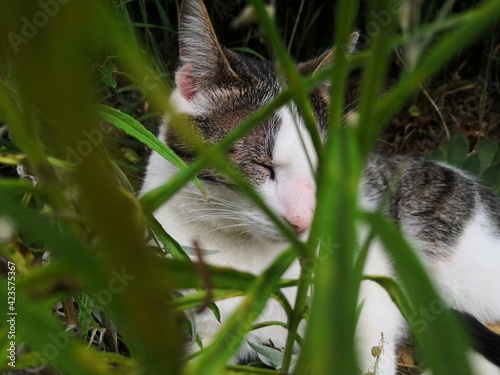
[450,218]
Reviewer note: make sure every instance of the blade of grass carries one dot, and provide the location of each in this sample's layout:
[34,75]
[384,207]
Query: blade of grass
[332,325]
[28,222]
[375,71]
[185,275]
[232,333]
[133,128]
[291,73]
[11,187]
[170,244]
[236,370]
[198,299]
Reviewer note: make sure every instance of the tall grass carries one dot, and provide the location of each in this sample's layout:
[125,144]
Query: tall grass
[83,212]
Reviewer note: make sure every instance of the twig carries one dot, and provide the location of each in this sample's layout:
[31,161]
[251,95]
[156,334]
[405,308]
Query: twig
[205,277]
[295,25]
[482,97]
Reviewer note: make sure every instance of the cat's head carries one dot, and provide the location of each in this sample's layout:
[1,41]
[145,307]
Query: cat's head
[217,89]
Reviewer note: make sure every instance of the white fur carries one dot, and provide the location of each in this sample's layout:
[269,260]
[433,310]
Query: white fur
[470,277]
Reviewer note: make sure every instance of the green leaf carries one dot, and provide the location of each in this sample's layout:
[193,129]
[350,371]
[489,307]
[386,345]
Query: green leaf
[171,245]
[12,159]
[472,165]
[10,187]
[133,128]
[185,274]
[51,282]
[198,299]
[496,159]
[486,151]
[59,241]
[414,111]
[107,75]
[437,154]
[270,356]
[249,51]
[85,304]
[395,291]
[238,370]
[491,177]
[458,149]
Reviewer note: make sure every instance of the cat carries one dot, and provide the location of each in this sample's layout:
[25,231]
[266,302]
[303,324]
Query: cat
[451,219]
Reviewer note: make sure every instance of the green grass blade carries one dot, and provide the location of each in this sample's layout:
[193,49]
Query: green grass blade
[133,128]
[170,244]
[232,333]
[185,274]
[58,241]
[238,370]
[292,74]
[332,325]
[374,74]
[9,187]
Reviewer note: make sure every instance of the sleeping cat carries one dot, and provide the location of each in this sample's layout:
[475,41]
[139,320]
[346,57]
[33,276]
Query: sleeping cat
[450,218]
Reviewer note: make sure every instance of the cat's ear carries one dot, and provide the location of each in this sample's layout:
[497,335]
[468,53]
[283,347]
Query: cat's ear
[203,62]
[311,66]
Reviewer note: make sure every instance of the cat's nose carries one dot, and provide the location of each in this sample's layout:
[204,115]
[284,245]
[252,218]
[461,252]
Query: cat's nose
[298,203]
[300,223]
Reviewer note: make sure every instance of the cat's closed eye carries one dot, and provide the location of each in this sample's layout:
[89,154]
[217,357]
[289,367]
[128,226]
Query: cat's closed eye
[268,169]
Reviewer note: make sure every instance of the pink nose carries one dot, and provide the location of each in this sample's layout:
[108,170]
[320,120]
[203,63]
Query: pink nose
[298,204]
[300,223]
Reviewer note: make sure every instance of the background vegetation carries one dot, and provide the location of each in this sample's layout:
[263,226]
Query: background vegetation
[92,297]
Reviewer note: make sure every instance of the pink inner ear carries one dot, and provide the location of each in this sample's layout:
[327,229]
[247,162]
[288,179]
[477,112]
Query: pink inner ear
[185,81]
